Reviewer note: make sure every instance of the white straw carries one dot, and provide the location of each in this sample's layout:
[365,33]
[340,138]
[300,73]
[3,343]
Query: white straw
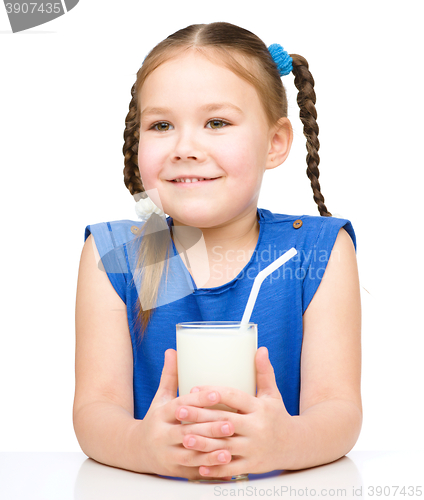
[258,282]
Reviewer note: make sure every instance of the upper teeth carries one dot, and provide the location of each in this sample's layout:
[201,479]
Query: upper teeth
[192,180]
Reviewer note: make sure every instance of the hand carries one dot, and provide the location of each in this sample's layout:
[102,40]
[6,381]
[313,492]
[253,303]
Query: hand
[162,434]
[262,426]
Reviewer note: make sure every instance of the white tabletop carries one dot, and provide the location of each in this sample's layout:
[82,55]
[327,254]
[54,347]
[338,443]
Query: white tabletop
[65,476]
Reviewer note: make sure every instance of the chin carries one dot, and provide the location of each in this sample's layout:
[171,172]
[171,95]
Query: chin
[192,221]
[194,218]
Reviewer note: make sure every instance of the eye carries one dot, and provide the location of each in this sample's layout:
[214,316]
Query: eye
[161,126]
[217,123]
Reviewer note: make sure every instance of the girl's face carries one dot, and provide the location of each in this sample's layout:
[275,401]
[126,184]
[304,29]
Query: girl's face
[200,120]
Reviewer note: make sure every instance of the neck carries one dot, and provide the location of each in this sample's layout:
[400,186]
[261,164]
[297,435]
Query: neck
[233,235]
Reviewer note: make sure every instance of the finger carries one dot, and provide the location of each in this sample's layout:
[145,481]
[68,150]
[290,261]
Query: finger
[192,458]
[199,415]
[234,398]
[265,376]
[235,467]
[199,443]
[168,384]
[205,398]
[218,431]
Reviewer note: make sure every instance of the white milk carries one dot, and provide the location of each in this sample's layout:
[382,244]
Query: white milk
[217,356]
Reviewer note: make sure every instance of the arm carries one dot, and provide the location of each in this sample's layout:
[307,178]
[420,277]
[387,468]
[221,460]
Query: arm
[103,404]
[330,397]
[104,431]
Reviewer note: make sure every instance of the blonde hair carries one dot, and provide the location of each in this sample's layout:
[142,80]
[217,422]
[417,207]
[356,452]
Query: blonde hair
[248,57]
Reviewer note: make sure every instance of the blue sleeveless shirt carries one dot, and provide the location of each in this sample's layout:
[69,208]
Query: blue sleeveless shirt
[282,300]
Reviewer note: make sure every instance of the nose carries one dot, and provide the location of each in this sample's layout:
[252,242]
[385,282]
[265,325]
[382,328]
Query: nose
[188,147]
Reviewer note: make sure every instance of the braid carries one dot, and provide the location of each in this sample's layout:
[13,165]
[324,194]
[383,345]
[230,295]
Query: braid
[134,184]
[306,100]
[132,177]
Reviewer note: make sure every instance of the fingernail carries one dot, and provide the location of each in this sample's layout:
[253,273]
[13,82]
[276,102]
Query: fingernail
[195,389]
[221,457]
[205,471]
[225,429]
[212,396]
[183,413]
[191,442]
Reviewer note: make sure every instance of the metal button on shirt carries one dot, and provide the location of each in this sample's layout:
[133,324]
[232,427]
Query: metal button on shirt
[297,223]
[134,229]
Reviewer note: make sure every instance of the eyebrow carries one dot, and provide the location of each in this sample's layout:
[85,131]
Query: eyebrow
[207,107]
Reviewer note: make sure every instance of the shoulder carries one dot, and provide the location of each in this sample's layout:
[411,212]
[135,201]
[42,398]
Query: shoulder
[120,230]
[340,281]
[107,243]
[309,230]
[317,240]
[113,238]
[344,243]
[342,265]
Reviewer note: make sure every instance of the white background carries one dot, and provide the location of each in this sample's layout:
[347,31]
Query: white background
[64,94]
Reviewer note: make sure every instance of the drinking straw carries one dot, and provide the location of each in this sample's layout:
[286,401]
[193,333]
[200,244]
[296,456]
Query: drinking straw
[258,282]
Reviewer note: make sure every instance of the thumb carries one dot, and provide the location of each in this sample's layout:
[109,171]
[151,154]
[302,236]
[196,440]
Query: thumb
[265,377]
[168,384]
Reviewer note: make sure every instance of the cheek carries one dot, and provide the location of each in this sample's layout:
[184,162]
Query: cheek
[148,161]
[248,147]
[236,155]
[244,159]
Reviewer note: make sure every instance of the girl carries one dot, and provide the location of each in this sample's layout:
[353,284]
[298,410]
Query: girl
[208,117]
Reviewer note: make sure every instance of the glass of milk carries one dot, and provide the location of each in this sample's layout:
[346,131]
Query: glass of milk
[217,353]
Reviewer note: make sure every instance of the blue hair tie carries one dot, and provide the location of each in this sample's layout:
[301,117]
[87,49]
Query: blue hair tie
[283,61]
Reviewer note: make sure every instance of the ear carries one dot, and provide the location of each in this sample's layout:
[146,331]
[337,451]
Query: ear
[280,143]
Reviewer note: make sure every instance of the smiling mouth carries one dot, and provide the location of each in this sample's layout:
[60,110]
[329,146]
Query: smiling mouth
[194,182]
